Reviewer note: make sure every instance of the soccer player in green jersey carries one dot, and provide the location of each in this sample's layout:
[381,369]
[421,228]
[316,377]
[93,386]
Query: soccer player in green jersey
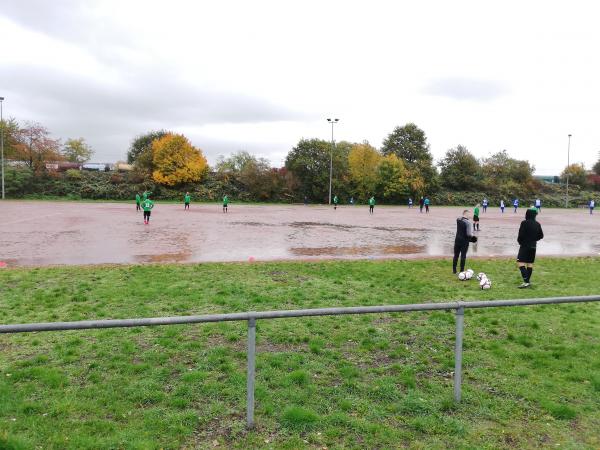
[476,218]
[371,204]
[335,201]
[138,200]
[147,206]
[186,201]
[225,203]
[146,195]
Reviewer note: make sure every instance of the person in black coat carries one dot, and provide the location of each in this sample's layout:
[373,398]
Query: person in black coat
[464,235]
[530,232]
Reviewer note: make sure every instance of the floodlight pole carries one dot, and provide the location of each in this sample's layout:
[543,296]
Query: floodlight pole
[2,144]
[568,164]
[332,122]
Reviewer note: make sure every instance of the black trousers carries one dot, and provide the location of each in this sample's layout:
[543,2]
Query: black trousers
[147,215]
[460,249]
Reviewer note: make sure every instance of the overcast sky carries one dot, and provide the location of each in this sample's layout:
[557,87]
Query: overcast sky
[260,75]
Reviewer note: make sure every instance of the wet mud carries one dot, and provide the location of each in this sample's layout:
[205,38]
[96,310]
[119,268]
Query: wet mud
[57,233]
[375,250]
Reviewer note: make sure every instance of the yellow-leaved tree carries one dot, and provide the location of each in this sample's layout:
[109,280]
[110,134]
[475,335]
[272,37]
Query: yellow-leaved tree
[363,161]
[176,160]
[394,179]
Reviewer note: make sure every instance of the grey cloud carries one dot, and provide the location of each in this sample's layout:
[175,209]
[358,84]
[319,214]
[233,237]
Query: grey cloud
[110,114]
[156,98]
[466,89]
[77,23]
[70,20]
[60,17]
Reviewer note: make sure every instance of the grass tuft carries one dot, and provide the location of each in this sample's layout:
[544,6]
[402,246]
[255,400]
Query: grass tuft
[595,382]
[559,411]
[299,377]
[299,418]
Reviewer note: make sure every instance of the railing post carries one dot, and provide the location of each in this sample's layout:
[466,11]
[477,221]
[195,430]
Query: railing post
[250,373]
[458,351]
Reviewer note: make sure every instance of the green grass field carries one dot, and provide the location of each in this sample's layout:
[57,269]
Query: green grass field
[532,374]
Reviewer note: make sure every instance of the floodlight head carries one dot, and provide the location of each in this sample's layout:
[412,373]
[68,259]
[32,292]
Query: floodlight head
[570,135]
[1,98]
[337,120]
[328,120]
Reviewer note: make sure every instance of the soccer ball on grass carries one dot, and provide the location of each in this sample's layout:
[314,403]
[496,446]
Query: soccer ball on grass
[485,283]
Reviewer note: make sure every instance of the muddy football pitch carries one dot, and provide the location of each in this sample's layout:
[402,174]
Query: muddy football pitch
[40,233]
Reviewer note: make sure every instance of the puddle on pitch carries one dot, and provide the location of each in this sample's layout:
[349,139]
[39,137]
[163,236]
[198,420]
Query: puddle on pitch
[373,250]
[164,258]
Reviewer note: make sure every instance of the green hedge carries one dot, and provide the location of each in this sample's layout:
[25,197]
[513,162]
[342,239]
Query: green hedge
[23,183]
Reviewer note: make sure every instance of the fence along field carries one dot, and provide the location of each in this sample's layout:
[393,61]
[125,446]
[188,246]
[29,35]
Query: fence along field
[378,379]
[252,317]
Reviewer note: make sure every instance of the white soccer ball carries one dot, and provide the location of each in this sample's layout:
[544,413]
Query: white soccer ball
[481,276]
[462,276]
[486,285]
[469,274]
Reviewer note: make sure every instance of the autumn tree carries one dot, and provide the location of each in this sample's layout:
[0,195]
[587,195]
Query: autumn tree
[596,167]
[576,174]
[140,151]
[77,150]
[460,170]
[176,160]
[35,147]
[236,162]
[256,177]
[363,161]
[393,179]
[409,143]
[11,130]
[309,162]
[500,168]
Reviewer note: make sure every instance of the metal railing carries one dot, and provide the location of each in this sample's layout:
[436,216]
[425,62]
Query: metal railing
[252,317]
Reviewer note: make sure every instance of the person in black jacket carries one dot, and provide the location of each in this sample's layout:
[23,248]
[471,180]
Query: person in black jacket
[530,232]
[464,235]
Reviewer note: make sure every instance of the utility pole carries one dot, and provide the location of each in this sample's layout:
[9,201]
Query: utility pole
[2,144]
[568,164]
[332,122]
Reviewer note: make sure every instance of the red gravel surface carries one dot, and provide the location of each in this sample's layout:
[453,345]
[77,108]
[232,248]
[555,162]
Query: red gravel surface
[48,233]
